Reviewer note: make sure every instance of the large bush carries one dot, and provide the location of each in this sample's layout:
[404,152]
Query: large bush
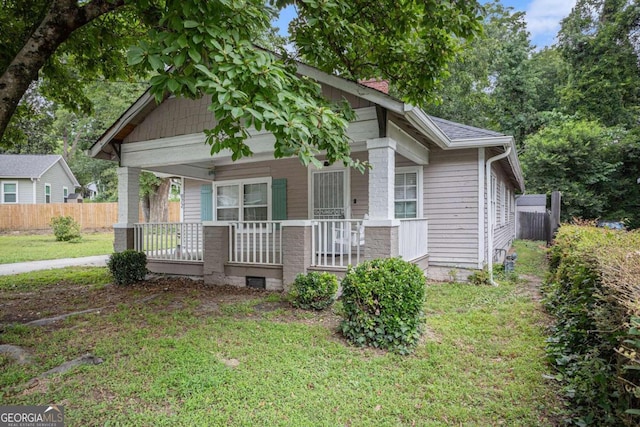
[383,302]
[127,267]
[593,292]
[65,228]
[314,290]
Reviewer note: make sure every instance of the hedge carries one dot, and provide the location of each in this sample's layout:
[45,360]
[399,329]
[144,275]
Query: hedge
[593,291]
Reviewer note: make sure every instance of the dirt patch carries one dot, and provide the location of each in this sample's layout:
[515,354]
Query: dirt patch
[52,304]
[530,286]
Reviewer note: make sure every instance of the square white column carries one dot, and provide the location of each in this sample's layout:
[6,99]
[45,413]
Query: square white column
[128,196]
[381,178]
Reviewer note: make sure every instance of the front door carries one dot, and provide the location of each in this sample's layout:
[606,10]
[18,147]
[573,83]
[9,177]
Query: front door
[328,194]
[328,202]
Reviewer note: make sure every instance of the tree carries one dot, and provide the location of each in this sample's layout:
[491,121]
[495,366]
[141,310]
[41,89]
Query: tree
[579,158]
[195,48]
[599,42]
[490,83]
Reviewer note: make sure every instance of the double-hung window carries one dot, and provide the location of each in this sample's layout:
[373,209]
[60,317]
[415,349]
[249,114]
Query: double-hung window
[408,193]
[65,194]
[247,200]
[47,193]
[9,192]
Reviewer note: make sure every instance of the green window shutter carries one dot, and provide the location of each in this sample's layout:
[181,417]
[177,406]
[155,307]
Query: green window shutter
[206,202]
[279,199]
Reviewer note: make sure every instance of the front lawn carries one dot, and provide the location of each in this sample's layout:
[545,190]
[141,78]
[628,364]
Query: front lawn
[35,247]
[179,353]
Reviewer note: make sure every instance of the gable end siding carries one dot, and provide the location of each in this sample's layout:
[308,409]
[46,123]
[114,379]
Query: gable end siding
[57,177]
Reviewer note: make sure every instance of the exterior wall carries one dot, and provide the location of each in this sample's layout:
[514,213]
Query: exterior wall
[504,227]
[179,116]
[57,177]
[191,200]
[25,189]
[451,205]
[297,186]
[175,116]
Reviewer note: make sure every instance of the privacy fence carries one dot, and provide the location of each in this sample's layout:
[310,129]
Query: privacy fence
[89,215]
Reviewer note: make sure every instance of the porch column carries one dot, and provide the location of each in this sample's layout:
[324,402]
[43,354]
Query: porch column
[381,178]
[381,239]
[296,250]
[128,205]
[215,246]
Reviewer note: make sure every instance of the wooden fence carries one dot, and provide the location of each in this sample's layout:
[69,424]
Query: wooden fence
[533,226]
[88,215]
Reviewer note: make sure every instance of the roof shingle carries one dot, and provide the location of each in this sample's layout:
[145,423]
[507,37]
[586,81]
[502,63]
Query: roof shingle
[26,165]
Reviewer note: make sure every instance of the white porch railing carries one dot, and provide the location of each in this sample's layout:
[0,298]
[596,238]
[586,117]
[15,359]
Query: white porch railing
[255,242]
[174,241]
[412,236]
[337,243]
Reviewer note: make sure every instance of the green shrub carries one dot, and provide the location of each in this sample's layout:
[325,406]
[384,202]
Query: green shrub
[127,267]
[65,228]
[592,291]
[314,291]
[383,302]
[479,277]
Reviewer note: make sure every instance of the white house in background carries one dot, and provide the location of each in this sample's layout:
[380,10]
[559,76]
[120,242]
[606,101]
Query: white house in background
[35,178]
[439,194]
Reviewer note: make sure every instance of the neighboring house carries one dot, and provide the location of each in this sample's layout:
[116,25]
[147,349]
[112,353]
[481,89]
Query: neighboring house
[440,194]
[35,178]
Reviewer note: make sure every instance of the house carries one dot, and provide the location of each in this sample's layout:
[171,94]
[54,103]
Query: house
[439,193]
[35,178]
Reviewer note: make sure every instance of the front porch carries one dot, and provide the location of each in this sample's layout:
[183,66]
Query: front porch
[270,254]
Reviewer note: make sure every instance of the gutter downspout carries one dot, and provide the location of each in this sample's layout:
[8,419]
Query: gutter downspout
[490,211]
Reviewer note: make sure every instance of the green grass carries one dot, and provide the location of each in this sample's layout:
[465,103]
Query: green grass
[531,258]
[481,364]
[90,276]
[21,248]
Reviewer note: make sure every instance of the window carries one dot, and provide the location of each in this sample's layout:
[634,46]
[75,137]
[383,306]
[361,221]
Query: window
[503,204]
[408,193]
[248,200]
[65,193]
[9,192]
[47,193]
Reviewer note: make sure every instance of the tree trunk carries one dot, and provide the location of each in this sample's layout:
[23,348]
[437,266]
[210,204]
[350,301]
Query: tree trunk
[62,19]
[159,202]
[146,208]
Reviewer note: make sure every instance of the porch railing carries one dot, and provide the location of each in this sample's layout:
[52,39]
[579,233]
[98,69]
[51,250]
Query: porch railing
[337,243]
[174,241]
[412,236]
[255,242]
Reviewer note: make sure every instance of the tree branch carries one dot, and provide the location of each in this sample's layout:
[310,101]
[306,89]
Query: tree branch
[61,20]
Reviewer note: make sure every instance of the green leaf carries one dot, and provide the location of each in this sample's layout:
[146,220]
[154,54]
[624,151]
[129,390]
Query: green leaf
[191,24]
[135,55]
[195,55]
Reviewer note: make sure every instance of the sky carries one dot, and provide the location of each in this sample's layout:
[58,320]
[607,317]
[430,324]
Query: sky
[543,18]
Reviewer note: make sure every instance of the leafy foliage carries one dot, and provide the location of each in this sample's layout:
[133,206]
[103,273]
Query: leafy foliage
[193,49]
[599,42]
[314,290]
[127,267]
[592,291]
[65,228]
[383,303]
[579,158]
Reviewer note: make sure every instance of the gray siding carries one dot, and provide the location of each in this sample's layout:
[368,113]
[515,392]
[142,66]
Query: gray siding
[191,200]
[25,189]
[504,228]
[179,116]
[57,177]
[451,206]
[297,186]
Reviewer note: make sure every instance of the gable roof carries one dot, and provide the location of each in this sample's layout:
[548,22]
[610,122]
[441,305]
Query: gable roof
[457,131]
[32,166]
[445,134]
